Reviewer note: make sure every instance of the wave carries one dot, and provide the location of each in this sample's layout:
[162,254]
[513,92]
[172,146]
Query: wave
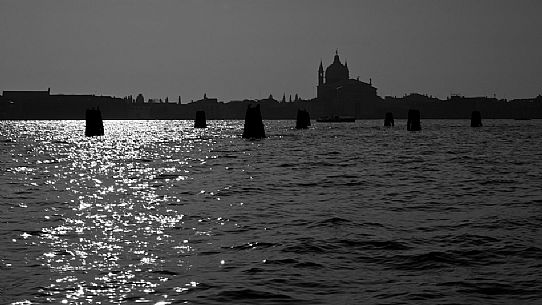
[331,222]
[253,245]
[165,272]
[457,258]
[308,247]
[489,288]
[167,176]
[244,295]
[390,245]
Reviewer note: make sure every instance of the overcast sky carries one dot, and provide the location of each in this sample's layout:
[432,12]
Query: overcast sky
[252,48]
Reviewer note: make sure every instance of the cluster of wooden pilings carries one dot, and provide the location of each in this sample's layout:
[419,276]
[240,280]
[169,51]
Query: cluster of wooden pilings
[254,128]
[303,120]
[475,119]
[201,121]
[414,120]
[388,120]
[94,122]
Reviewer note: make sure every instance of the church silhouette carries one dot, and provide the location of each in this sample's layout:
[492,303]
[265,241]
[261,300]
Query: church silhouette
[341,94]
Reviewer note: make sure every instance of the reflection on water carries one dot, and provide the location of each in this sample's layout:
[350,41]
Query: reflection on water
[159,212]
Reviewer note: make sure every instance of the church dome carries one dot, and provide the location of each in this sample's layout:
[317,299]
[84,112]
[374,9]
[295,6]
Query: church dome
[336,72]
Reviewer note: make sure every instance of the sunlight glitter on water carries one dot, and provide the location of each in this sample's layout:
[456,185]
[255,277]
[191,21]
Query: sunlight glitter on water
[118,217]
[158,213]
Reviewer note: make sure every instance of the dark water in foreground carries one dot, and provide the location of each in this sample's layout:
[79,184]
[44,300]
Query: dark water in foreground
[159,213]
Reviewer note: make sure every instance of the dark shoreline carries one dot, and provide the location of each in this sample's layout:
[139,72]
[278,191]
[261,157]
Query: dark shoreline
[41,105]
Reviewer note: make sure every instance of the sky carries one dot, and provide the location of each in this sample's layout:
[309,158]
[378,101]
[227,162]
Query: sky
[237,49]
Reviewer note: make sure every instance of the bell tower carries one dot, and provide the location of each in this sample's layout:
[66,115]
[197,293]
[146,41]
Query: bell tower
[320,74]
[320,79]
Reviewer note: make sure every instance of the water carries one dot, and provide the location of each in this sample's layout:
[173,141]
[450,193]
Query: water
[156,212]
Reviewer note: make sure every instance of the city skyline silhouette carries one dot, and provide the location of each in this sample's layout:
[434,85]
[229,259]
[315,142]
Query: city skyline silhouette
[338,98]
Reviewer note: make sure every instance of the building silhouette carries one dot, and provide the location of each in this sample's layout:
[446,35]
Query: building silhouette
[341,94]
[27,95]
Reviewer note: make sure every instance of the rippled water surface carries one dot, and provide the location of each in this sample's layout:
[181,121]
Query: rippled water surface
[157,212]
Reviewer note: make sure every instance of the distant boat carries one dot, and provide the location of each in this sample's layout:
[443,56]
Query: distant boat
[336,119]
